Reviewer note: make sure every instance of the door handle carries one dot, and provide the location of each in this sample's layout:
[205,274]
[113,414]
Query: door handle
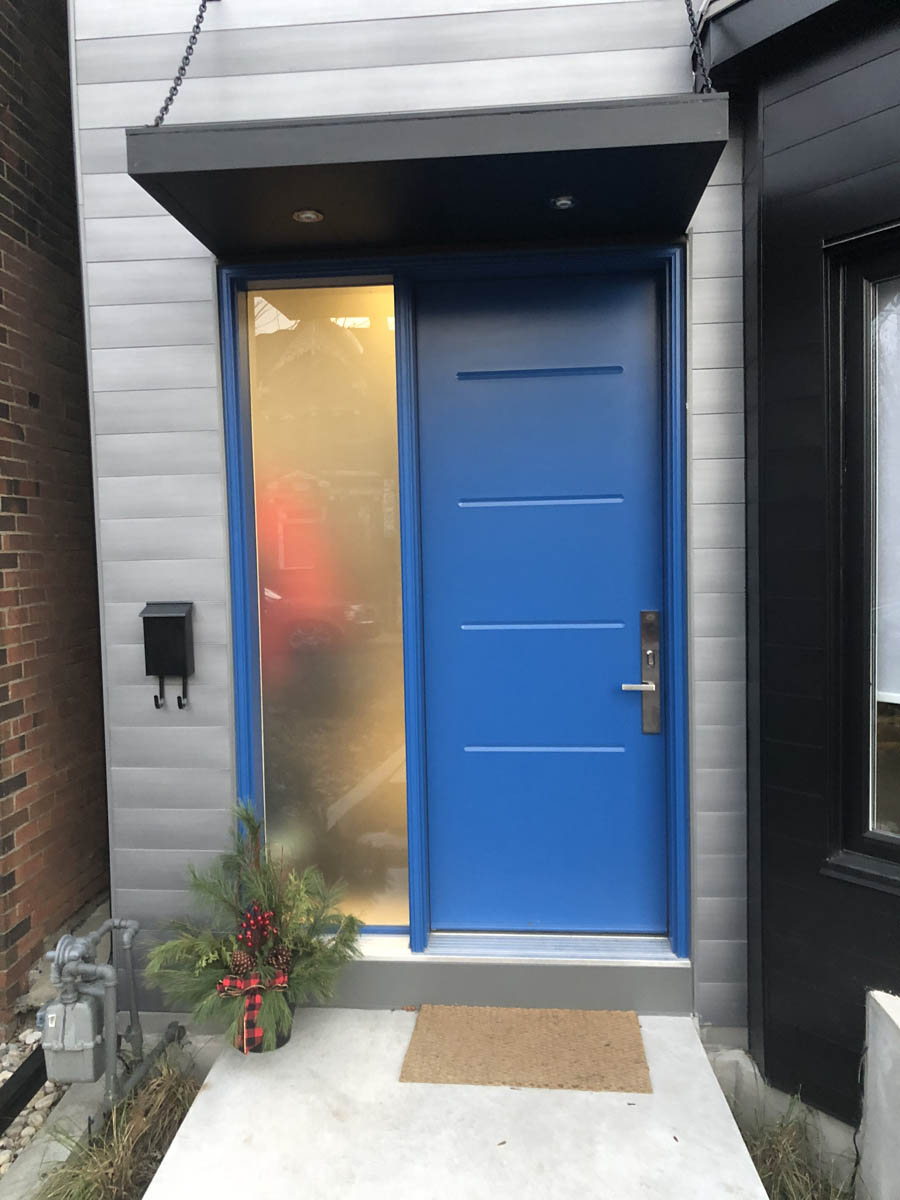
[651,698]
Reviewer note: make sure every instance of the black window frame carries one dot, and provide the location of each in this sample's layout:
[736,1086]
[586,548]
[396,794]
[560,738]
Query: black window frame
[853,269]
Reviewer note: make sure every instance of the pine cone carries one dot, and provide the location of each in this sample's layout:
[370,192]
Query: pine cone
[241,963]
[281,957]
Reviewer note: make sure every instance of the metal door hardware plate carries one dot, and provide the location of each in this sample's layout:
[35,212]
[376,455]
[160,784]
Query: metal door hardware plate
[649,687]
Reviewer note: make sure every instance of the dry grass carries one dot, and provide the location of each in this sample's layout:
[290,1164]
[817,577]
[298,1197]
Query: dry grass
[120,1162]
[781,1156]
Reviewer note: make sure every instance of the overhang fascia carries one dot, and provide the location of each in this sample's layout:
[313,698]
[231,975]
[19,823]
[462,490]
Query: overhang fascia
[197,171]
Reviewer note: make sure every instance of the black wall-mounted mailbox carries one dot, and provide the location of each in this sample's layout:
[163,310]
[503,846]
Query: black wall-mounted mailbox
[168,644]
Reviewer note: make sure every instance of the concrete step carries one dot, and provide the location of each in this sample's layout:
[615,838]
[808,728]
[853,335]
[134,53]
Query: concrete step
[326,1116]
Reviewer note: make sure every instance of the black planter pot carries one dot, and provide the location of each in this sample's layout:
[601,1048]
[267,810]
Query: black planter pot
[281,1039]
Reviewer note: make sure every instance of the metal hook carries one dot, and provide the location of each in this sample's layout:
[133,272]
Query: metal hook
[183,699]
[160,700]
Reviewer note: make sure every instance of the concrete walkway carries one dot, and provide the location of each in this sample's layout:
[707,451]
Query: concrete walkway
[326,1118]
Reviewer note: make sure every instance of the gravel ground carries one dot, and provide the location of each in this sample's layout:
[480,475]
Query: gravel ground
[23,1128]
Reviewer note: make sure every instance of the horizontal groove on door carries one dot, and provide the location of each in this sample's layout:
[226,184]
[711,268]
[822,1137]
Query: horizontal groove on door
[547,625]
[544,749]
[539,373]
[553,945]
[539,501]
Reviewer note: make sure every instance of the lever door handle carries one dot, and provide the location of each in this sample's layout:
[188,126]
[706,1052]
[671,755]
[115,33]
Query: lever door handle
[639,687]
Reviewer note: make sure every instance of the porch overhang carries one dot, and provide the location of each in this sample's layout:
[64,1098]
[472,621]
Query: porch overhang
[635,168]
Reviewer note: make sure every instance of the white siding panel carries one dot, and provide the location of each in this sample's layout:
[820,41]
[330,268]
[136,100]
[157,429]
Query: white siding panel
[718,435]
[154,282]
[102,151]
[203,579]
[132,704]
[720,209]
[171,787]
[720,832]
[716,255]
[557,79]
[724,875]
[714,300]
[517,33]
[157,411]
[718,571]
[717,481]
[718,703]
[155,367]
[112,239]
[179,453]
[720,345]
[718,614]
[133,746]
[718,526]
[173,324]
[100,19]
[719,918]
[172,828]
[728,1001]
[125,665]
[718,746]
[117,195]
[719,660]
[717,389]
[148,868]
[166,537]
[185,495]
[721,790]
[722,962]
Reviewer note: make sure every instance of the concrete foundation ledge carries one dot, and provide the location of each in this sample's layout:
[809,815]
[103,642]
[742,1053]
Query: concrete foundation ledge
[664,988]
[756,1105]
[879,1166]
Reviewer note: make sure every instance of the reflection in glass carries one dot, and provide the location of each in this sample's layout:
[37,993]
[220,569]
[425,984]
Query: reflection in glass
[324,421]
[885,817]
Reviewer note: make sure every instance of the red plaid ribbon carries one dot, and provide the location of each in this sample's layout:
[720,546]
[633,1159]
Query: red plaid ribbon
[250,1035]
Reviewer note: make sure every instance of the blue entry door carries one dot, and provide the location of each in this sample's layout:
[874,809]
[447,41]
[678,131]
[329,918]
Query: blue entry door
[540,475]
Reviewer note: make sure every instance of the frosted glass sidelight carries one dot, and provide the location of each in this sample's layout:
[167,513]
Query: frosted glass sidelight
[324,425]
[885,817]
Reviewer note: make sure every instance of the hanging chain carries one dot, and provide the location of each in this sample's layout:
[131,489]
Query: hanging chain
[699,57]
[183,66]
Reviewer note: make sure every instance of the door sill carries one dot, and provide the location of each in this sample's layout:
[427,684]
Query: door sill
[560,946]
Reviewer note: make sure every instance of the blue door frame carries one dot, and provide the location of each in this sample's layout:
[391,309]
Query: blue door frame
[668,263]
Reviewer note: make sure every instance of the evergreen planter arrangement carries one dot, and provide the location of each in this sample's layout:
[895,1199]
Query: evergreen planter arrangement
[276,939]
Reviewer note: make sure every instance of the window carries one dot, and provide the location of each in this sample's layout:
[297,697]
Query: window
[323,410]
[864,305]
[884,816]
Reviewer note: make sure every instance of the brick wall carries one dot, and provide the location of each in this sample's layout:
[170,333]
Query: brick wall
[53,833]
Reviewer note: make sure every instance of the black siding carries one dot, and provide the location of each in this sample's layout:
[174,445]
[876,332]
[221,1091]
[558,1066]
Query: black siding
[823,163]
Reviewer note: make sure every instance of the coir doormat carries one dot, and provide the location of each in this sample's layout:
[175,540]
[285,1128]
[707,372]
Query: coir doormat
[528,1047]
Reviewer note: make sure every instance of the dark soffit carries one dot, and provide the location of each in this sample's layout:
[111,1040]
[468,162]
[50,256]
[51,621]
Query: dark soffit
[637,169]
[751,38]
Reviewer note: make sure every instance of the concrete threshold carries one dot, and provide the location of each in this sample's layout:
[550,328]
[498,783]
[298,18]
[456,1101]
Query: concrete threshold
[326,1116]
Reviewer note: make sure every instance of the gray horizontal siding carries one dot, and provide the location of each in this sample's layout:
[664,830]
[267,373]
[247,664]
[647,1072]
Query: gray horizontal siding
[718,628]
[338,45]
[184,829]
[187,495]
[103,19]
[172,410]
[157,407]
[485,83]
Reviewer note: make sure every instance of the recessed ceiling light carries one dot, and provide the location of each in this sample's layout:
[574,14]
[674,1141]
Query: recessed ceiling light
[307,216]
[562,203]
